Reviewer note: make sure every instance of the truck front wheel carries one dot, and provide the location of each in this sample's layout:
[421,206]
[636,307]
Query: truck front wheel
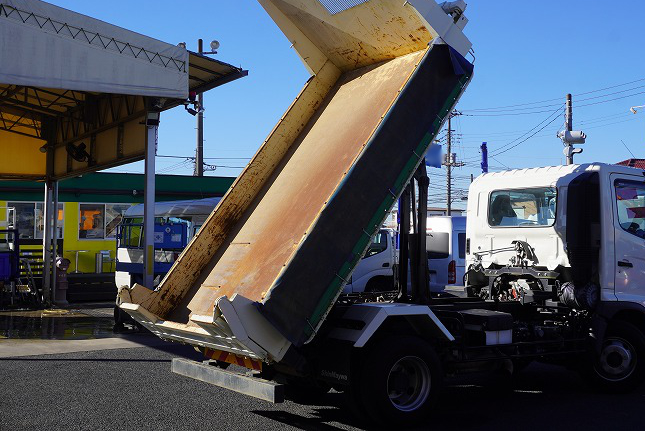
[620,366]
[399,381]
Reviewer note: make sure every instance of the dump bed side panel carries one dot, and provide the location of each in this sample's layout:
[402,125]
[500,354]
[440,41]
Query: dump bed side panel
[191,265]
[281,216]
[313,278]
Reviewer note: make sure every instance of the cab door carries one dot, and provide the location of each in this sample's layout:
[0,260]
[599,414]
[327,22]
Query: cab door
[629,237]
[376,262]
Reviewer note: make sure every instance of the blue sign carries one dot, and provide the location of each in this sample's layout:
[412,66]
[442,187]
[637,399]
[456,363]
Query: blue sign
[484,163]
[433,157]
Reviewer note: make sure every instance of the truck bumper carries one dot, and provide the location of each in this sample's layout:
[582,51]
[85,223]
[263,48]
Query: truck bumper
[238,382]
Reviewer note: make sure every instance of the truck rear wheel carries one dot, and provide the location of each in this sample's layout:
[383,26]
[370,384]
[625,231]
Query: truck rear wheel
[620,367]
[399,381]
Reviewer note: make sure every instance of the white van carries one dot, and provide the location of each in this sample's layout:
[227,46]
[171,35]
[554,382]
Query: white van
[446,247]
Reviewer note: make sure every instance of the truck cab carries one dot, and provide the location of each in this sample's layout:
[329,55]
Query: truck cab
[584,222]
[375,271]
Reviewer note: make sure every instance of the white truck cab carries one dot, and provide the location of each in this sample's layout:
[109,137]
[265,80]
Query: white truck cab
[586,222]
[375,271]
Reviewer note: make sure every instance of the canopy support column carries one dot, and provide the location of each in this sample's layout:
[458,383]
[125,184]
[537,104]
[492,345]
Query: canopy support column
[48,265]
[152,125]
[50,243]
[49,217]
[59,296]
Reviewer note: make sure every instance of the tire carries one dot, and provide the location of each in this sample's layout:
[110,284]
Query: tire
[399,381]
[620,367]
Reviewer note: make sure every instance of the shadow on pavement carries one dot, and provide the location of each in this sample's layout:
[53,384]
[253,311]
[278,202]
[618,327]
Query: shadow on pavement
[541,397]
[300,422]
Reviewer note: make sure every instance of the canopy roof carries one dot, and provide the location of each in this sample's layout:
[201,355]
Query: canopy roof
[201,207]
[74,80]
[119,188]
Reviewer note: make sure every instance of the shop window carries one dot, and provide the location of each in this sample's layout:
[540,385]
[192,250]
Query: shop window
[40,220]
[91,222]
[30,219]
[113,216]
[99,221]
[25,219]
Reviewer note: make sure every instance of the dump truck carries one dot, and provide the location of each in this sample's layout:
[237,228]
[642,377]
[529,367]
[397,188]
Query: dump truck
[553,255]
[260,278]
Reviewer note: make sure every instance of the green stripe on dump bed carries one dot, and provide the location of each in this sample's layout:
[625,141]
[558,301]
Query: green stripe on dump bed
[377,219]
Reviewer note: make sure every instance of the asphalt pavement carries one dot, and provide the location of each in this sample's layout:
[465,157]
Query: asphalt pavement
[133,388]
[125,383]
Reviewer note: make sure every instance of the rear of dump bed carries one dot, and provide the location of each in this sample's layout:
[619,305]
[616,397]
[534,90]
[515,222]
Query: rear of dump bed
[268,264]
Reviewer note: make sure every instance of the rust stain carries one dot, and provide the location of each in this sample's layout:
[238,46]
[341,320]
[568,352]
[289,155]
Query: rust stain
[269,232]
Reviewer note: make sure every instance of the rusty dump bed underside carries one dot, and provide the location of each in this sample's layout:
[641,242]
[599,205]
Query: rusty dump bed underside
[268,264]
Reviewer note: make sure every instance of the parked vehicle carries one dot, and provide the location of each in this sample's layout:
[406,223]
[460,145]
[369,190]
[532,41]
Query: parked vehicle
[176,222]
[375,271]
[446,245]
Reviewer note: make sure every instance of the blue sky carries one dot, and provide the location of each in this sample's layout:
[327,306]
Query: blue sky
[526,52]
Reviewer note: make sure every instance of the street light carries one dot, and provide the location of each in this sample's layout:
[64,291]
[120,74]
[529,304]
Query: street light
[634,108]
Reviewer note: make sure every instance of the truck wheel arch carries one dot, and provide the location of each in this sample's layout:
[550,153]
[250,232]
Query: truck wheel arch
[421,325]
[623,311]
[378,283]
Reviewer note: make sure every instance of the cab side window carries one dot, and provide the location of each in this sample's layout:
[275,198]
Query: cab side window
[378,244]
[630,203]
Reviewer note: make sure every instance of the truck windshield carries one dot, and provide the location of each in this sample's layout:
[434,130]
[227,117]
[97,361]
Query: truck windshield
[522,207]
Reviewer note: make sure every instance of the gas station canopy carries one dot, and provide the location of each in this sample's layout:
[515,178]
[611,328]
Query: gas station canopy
[74,90]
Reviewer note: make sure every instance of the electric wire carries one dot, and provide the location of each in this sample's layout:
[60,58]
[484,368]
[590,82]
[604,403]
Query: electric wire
[529,104]
[514,143]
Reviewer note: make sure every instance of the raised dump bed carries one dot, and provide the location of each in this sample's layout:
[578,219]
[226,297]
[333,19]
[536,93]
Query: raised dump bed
[270,261]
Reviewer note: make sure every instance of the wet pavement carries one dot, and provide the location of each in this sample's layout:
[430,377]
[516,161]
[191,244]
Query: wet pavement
[79,328]
[82,323]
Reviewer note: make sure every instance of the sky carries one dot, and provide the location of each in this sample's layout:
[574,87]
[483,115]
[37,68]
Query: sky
[528,55]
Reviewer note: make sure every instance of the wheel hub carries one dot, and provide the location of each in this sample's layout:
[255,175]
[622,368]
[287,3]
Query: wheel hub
[409,383]
[617,359]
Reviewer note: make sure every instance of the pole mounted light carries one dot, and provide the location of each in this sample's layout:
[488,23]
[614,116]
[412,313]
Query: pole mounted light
[634,109]
[570,136]
[214,47]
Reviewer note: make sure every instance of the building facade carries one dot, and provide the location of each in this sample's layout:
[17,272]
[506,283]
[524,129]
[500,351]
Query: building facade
[90,207]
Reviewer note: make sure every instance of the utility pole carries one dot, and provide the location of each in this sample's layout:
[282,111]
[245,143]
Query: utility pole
[199,153]
[449,166]
[569,124]
[450,162]
[570,137]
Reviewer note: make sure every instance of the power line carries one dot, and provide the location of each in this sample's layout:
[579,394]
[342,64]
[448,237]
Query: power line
[610,100]
[525,139]
[512,144]
[555,99]
[507,114]
[205,158]
[630,151]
